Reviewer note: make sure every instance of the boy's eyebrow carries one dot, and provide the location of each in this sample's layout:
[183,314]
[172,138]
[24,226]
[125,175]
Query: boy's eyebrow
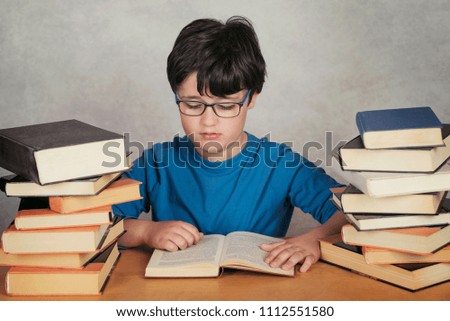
[191,97]
[196,97]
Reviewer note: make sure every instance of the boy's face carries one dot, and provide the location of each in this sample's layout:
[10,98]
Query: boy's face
[214,138]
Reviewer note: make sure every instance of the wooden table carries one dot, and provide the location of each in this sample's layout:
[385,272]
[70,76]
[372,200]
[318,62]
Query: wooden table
[323,282]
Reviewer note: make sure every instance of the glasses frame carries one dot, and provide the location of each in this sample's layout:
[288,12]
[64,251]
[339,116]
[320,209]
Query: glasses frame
[213,105]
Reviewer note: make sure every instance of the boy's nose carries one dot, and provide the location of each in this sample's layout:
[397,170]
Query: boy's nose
[209,117]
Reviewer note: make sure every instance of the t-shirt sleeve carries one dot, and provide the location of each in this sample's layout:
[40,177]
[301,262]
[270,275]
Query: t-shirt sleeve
[310,190]
[143,171]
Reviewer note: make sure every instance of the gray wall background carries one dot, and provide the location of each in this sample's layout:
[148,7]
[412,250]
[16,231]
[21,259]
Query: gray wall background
[103,62]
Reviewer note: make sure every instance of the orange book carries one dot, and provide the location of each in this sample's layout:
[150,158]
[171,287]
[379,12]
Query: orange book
[419,240]
[43,218]
[89,280]
[121,191]
[374,255]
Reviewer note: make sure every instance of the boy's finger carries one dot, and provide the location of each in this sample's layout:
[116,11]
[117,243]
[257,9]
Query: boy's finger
[293,260]
[270,246]
[170,246]
[201,236]
[287,258]
[197,237]
[192,230]
[307,263]
[278,255]
[187,231]
[180,241]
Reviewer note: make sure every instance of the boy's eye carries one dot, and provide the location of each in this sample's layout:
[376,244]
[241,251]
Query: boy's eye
[194,105]
[226,107]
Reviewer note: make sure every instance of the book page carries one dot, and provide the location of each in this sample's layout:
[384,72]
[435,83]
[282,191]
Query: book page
[206,251]
[245,246]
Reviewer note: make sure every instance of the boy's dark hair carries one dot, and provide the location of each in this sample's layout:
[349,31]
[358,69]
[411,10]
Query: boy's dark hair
[226,57]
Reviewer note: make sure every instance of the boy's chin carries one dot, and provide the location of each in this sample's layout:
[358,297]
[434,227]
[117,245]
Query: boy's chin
[213,151]
[209,146]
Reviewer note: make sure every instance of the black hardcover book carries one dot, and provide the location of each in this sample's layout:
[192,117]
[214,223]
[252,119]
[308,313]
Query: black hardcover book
[60,151]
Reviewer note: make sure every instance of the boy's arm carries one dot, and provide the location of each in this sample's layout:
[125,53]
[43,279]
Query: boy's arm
[167,235]
[304,248]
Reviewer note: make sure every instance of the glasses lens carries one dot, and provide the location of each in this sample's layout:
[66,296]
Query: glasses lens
[196,108]
[227,110]
[192,108]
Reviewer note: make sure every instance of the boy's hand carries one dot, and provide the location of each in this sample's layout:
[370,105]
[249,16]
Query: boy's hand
[166,235]
[304,249]
[172,235]
[286,254]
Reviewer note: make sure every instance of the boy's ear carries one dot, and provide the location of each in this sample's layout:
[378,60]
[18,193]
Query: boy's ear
[253,102]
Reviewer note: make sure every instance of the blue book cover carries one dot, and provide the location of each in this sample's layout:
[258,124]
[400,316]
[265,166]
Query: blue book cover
[397,119]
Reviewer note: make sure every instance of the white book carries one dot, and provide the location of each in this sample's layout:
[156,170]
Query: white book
[381,184]
[237,250]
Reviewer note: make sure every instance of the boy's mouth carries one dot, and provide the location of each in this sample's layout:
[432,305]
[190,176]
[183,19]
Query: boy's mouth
[210,136]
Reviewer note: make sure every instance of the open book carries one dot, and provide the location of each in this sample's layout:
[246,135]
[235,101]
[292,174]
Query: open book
[237,250]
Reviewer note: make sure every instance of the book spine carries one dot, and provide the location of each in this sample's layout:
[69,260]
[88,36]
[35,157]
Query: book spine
[440,207]
[104,237]
[7,287]
[56,204]
[18,158]
[360,123]
[352,177]
[3,182]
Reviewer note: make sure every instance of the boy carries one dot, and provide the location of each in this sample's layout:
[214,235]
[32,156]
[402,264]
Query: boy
[219,178]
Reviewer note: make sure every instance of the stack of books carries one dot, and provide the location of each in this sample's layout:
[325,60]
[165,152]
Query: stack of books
[398,176]
[63,240]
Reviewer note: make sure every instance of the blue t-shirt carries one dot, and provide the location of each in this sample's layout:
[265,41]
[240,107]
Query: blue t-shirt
[254,191]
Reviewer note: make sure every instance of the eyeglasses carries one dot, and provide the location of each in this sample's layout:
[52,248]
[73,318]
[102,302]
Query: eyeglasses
[223,109]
